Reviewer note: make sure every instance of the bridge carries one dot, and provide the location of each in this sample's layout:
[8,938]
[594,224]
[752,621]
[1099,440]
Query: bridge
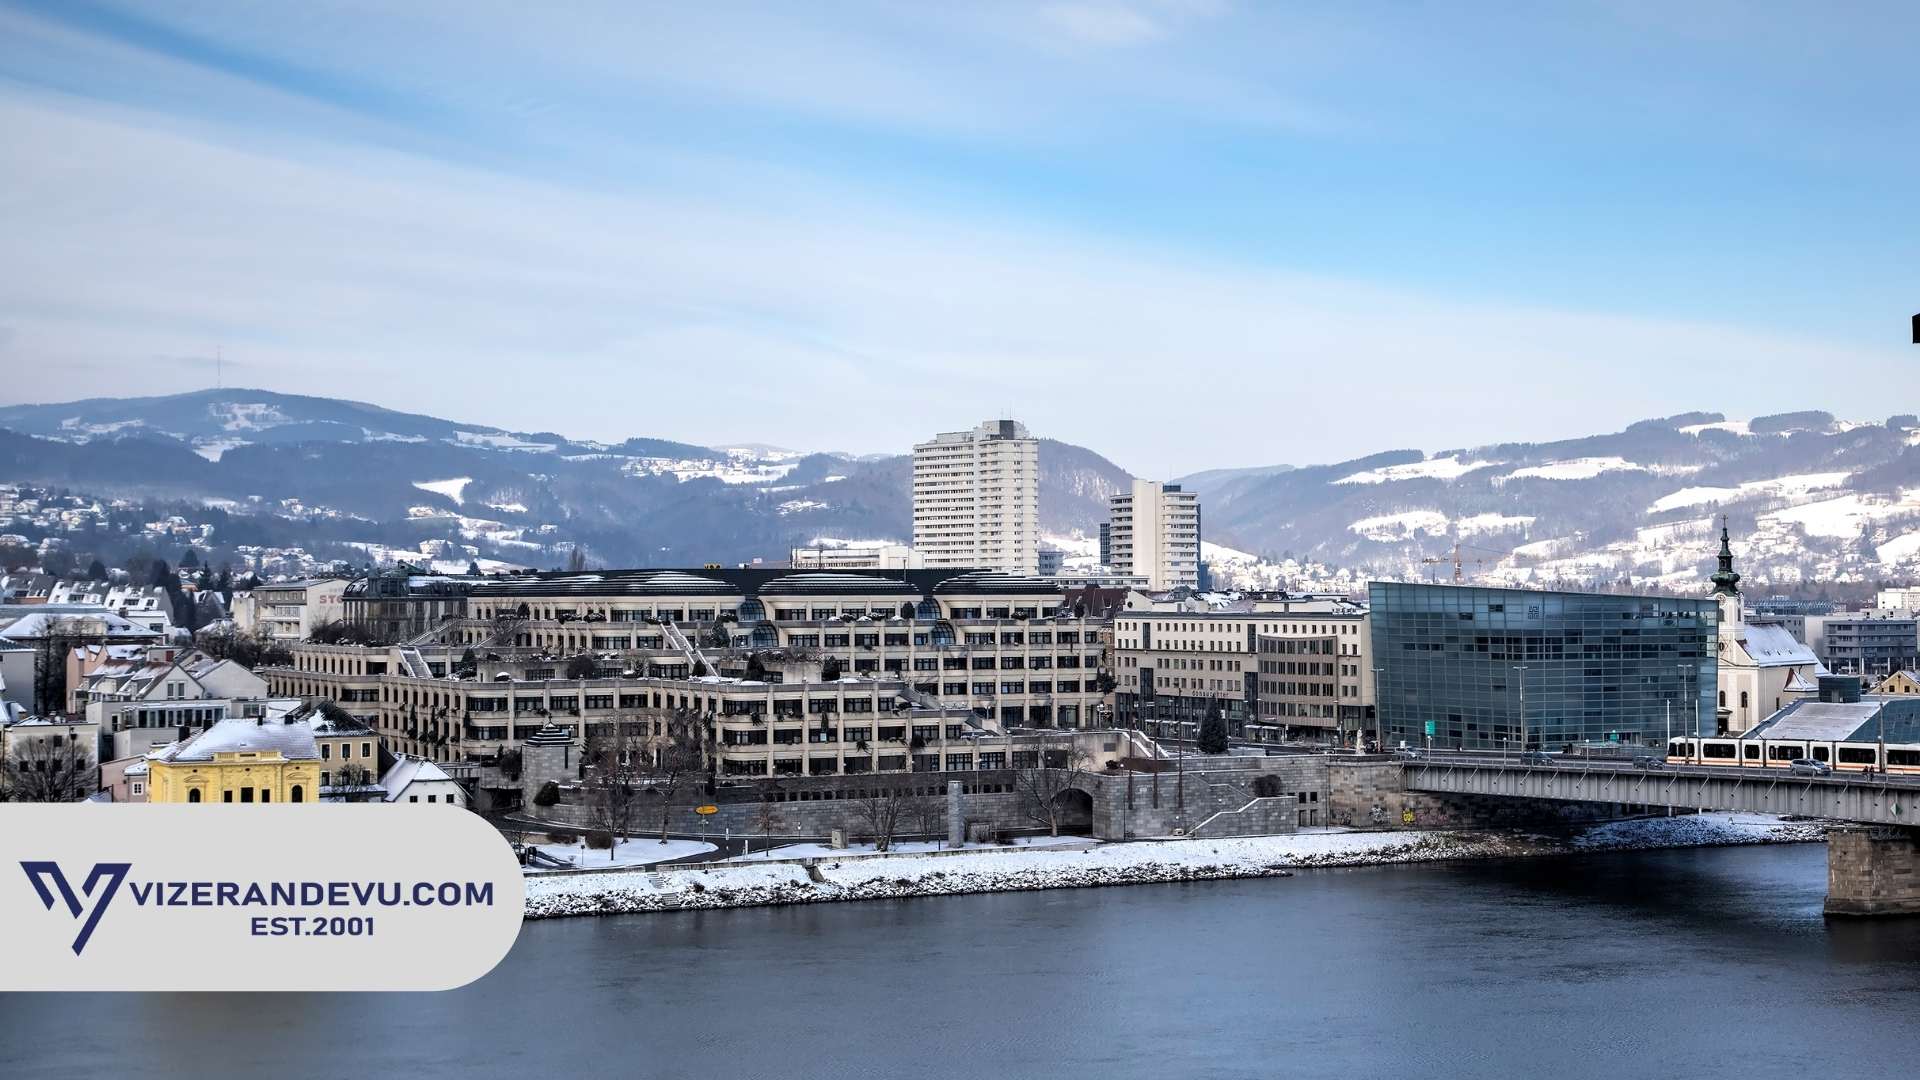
[1873,859]
[1866,798]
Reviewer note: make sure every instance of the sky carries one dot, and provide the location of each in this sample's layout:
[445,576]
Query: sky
[1186,233]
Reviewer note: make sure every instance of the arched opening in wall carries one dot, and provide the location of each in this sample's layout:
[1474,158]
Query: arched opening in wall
[1076,811]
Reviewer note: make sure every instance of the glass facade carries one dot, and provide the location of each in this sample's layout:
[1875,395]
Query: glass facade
[1456,664]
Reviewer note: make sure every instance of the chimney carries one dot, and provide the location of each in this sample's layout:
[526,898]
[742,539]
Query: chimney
[183,733]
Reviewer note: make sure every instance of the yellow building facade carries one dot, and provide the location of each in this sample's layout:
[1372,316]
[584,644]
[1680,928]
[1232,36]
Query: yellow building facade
[287,759]
[239,776]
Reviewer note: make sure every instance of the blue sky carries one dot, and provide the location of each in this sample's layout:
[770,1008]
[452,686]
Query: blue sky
[1186,233]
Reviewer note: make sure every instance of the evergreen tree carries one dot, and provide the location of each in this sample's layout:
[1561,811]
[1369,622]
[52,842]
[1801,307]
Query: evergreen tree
[1213,730]
[96,571]
[189,559]
[473,568]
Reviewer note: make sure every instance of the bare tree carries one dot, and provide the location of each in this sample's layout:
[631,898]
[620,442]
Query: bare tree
[49,769]
[676,775]
[767,819]
[57,640]
[613,754]
[1058,769]
[350,781]
[250,650]
[929,814]
[882,811]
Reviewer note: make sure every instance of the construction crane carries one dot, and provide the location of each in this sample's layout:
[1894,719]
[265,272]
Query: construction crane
[1458,560]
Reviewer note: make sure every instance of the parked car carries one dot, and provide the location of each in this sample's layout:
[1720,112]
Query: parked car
[1408,753]
[1806,766]
[1650,761]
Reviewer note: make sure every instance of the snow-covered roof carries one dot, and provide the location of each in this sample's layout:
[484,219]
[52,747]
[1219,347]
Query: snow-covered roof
[407,771]
[1771,645]
[293,740]
[42,617]
[17,722]
[1851,721]
[822,583]
[1826,721]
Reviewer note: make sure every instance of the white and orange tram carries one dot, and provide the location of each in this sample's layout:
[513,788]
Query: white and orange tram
[1757,752]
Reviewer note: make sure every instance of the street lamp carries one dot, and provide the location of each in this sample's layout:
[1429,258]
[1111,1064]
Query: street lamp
[1522,668]
[1379,721]
[1693,742]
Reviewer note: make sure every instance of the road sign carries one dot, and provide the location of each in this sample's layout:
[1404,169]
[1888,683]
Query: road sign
[1429,727]
[703,811]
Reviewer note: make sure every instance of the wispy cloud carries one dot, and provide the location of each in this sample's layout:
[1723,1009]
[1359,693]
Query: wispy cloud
[1102,24]
[684,225]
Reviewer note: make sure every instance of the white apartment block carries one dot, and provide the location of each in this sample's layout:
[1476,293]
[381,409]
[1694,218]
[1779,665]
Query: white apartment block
[1154,532]
[856,555]
[289,610]
[976,498]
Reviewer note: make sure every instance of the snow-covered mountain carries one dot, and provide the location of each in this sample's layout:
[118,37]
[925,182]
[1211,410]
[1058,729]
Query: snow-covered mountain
[1809,499]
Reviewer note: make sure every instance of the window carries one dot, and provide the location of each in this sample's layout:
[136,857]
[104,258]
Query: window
[226,796]
[193,794]
[433,798]
[298,794]
[246,794]
[413,798]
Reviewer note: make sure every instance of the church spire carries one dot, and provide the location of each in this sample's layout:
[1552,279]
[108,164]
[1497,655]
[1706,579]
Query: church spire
[1725,581]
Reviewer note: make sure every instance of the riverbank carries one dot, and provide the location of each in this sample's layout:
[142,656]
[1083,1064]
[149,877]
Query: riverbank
[725,885]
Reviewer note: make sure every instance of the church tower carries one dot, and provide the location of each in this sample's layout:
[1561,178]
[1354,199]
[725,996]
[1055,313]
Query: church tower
[1726,587]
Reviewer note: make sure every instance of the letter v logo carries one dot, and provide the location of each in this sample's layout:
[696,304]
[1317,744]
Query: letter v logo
[39,873]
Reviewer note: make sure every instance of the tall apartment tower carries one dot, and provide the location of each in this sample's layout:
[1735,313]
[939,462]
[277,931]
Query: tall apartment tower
[1154,532]
[976,498]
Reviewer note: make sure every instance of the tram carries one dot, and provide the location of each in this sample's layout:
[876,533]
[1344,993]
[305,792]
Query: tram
[1728,752]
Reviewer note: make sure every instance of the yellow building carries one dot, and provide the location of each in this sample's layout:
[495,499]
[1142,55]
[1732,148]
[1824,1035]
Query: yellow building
[1900,683]
[290,758]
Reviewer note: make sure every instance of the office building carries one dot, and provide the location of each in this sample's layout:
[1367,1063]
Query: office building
[976,499]
[855,555]
[1865,643]
[1153,530]
[1498,668]
[403,601]
[1282,669]
[852,656]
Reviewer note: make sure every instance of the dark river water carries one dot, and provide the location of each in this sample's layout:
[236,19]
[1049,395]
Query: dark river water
[1703,963]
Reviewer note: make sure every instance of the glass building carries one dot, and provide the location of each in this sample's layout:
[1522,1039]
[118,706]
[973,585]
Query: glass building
[1499,668]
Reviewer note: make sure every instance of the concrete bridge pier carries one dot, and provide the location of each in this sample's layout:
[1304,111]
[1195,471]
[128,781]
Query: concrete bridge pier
[1873,870]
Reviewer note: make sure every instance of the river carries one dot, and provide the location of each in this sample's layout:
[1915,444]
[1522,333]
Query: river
[1694,963]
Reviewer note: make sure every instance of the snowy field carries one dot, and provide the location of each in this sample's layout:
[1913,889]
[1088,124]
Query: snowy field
[999,869]
[638,852]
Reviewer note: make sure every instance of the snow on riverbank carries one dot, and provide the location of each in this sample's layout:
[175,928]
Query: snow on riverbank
[893,876]
[1697,830]
[634,852]
[905,847]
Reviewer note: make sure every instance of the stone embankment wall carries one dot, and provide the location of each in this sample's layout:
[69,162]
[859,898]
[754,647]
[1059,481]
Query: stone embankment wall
[1216,797]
